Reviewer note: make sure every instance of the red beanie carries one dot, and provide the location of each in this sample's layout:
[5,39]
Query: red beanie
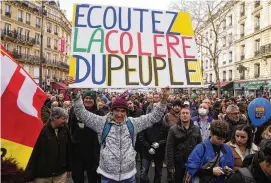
[120,102]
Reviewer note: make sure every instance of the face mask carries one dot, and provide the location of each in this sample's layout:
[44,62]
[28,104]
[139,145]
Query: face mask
[202,112]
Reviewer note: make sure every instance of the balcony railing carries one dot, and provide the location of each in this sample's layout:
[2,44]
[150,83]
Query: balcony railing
[8,14]
[257,4]
[15,36]
[55,63]
[55,47]
[242,57]
[56,33]
[242,76]
[49,30]
[20,19]
[27,22]
[265,49]
[257,53]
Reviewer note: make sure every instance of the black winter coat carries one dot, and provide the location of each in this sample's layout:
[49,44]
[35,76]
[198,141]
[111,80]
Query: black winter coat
[85,143]
[51,155]
[156,133]
[180,143]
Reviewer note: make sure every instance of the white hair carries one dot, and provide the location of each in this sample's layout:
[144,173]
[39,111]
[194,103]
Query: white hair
[232,107]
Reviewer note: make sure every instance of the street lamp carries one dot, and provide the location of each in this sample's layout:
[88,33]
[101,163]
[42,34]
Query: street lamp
[41,40]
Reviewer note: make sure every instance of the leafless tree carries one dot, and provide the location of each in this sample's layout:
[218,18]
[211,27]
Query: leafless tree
[209,15]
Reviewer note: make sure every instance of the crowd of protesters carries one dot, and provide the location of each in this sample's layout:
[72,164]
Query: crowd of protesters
[197,137]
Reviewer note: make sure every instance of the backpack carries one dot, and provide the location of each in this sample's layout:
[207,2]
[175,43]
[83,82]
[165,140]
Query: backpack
[107,128]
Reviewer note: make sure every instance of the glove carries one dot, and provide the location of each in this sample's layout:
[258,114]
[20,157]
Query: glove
[151,151]
[155,145]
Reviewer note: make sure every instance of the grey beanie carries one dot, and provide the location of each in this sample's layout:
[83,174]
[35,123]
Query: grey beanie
[58,112]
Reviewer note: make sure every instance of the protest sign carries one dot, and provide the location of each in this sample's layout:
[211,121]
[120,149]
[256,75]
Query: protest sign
[119,47]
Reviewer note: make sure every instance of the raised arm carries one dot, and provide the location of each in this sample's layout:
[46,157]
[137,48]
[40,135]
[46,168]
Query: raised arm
[91,120]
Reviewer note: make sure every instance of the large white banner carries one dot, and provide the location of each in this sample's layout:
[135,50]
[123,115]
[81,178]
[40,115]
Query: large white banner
[121,47]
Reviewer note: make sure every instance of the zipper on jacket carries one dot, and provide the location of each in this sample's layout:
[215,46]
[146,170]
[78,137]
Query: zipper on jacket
[120,152]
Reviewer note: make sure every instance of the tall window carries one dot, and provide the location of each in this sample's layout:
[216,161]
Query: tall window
[242,9]
[56,29]
[20,32]
[242,31]
[242,52]
[27,34]
[19,50]
[257,47]
[211,78]
[257,70]
[20,15]
[230,20]
[7,27]
[55,43]
[38,22]
[224,75]
[257,23]
[48,42]
[6,45]
[7,8]
[49,27]
[230,56]
[26,51]
[54,58]
[28,17]
[206,64]
[37,37]
[230,75]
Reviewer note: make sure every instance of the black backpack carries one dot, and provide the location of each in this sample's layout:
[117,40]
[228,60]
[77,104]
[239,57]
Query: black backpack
[246,175]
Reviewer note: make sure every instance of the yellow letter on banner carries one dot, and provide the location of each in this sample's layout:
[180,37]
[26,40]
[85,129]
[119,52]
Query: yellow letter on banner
[196,76]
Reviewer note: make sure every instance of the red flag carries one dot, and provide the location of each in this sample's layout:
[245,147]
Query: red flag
[21,102]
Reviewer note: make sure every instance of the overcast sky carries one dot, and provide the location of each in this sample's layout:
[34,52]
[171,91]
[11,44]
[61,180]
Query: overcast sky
[148,4]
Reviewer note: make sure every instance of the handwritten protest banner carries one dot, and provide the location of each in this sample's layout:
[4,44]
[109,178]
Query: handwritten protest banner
[119,47]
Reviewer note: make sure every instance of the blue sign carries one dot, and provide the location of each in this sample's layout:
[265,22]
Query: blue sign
[259,111]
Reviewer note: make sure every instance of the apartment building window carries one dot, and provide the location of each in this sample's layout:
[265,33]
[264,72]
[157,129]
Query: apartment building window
[257,4]
[224,59]
[48,56]
[230,20]
[257,47]
[49,27]
[37,38]
[36,53]
[6,45]
[28,18]
[56,30]
[224,24]
[206,64]
[211,78]
[20,32]
[61,59]
[224,41]
[7,8]
[256,70]
[257,23]
[27,35]
[242,74]
[38,20]
[55,44]
[211,33]
[242,52]
[230,56]
[7,27]
[242,9]
[242,30]
[26,52]
[230,75]
[230,39]
[211,63]
[20,15]
[19,50]
[55,15]
[54,58]
[48,42]
[224,76]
